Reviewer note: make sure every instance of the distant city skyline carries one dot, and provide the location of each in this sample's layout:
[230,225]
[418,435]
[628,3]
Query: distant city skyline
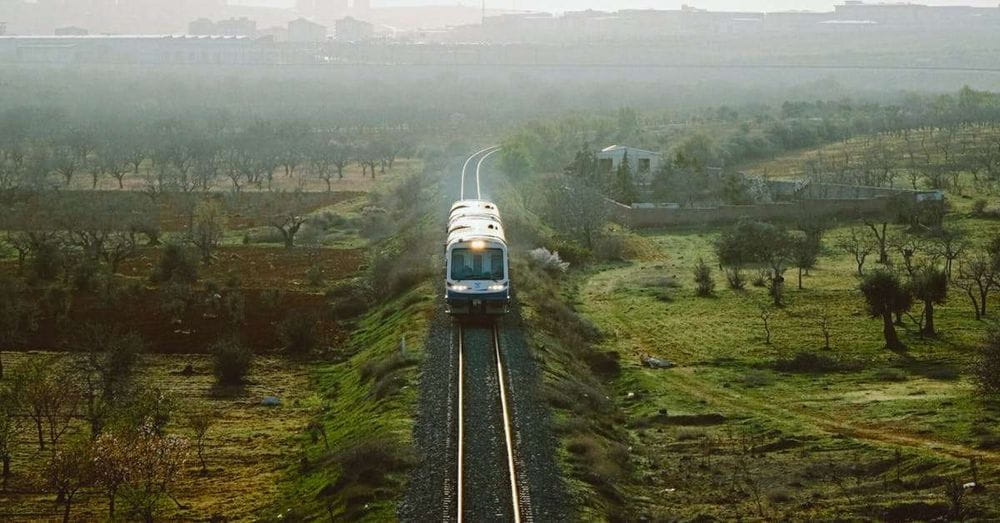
[612,5]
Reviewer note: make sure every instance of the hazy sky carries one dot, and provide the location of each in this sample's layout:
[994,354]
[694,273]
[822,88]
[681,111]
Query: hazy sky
[572,5]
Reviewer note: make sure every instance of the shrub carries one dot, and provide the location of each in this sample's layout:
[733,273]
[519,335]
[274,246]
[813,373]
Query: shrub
[691,433]
[979,207]
[231,362]
[811,362]
[298,333]
[85,275]
[986,366]
[46,261]
[757,378]
[315,276]
[703,279]
[891,374]
[350,299]
[547,260]
[175,299]
[610,246]
[735,278]
[176,264]
[571,252]
[371,461]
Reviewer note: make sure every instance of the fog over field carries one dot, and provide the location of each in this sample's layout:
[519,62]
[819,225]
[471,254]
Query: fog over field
[404,260]
[614,5]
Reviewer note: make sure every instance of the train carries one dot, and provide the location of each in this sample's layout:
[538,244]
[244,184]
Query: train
[477,278]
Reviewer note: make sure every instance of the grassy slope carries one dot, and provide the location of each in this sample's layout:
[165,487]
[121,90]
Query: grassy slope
[353,414]
[921,405]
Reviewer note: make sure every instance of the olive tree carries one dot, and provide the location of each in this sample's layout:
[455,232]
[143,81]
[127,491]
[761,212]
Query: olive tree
[886,296]
[930,286]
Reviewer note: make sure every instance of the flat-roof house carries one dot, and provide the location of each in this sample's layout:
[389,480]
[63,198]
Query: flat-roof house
[302,30]
[642,162]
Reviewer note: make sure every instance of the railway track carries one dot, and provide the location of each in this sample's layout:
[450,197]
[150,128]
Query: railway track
[488,482]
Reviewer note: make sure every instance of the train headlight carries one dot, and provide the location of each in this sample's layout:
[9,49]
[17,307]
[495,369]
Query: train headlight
[478,245]
[460,287]
[498,287]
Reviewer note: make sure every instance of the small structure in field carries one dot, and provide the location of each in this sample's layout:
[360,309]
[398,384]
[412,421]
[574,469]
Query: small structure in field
[642,162]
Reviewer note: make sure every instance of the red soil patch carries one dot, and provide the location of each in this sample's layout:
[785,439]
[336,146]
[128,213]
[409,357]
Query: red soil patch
[263,267]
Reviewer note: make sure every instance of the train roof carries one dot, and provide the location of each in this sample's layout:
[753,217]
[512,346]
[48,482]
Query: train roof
[475,228]
[474,207]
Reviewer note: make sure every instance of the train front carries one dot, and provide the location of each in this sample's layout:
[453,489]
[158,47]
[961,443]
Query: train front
[478,279]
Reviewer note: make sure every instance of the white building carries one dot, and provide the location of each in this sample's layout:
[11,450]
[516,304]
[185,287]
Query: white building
[303,30]
[642,162]
[350,29]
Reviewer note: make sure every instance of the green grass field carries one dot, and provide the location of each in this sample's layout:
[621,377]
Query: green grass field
[865,433]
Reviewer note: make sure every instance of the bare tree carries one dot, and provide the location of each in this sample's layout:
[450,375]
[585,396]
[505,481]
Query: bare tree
[208,228]
[49,398]
[949,244]
[977,277]
[765,312]
[201,421]
[859,245]
[70,470]
[11,423]
[881,233]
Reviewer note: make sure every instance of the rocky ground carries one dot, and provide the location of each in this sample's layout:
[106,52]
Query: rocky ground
[432,492]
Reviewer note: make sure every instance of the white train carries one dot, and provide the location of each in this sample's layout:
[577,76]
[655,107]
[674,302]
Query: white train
[478,268]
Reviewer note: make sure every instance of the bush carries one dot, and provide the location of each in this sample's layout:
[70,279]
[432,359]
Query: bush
[176,264]
[703,279]
[571,252]
[757,378]
[811,362]
[298,333]
[986,366]
[350,299]
[231,362]
[610,246]
[372,461]
[315,276]
[891,374]
[979,207]
[547,260]
[46,261]
[85,275]
[735,278]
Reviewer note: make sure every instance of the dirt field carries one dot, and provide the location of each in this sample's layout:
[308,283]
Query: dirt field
[248,448]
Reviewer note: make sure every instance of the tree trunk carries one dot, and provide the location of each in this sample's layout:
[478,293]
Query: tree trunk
[984,294]
[928,329]
[329,186]
[111,505]
[69,505]
[889,332]
[6,470]
[41,434]
[975,304]
[800,278]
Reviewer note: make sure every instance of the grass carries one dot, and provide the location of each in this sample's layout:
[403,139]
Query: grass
[247,446]
[366,412]
[800,432]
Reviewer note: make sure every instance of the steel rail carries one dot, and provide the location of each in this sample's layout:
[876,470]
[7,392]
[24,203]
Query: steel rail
[466,168]
[507,427]
[461,421]
[479,167]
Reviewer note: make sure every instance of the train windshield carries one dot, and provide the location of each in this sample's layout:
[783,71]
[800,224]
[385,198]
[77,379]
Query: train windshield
[484,264]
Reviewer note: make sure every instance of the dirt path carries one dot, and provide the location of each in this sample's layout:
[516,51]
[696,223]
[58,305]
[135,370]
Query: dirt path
[686,381]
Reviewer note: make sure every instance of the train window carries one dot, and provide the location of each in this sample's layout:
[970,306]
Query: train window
[496,265]
[481,265]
